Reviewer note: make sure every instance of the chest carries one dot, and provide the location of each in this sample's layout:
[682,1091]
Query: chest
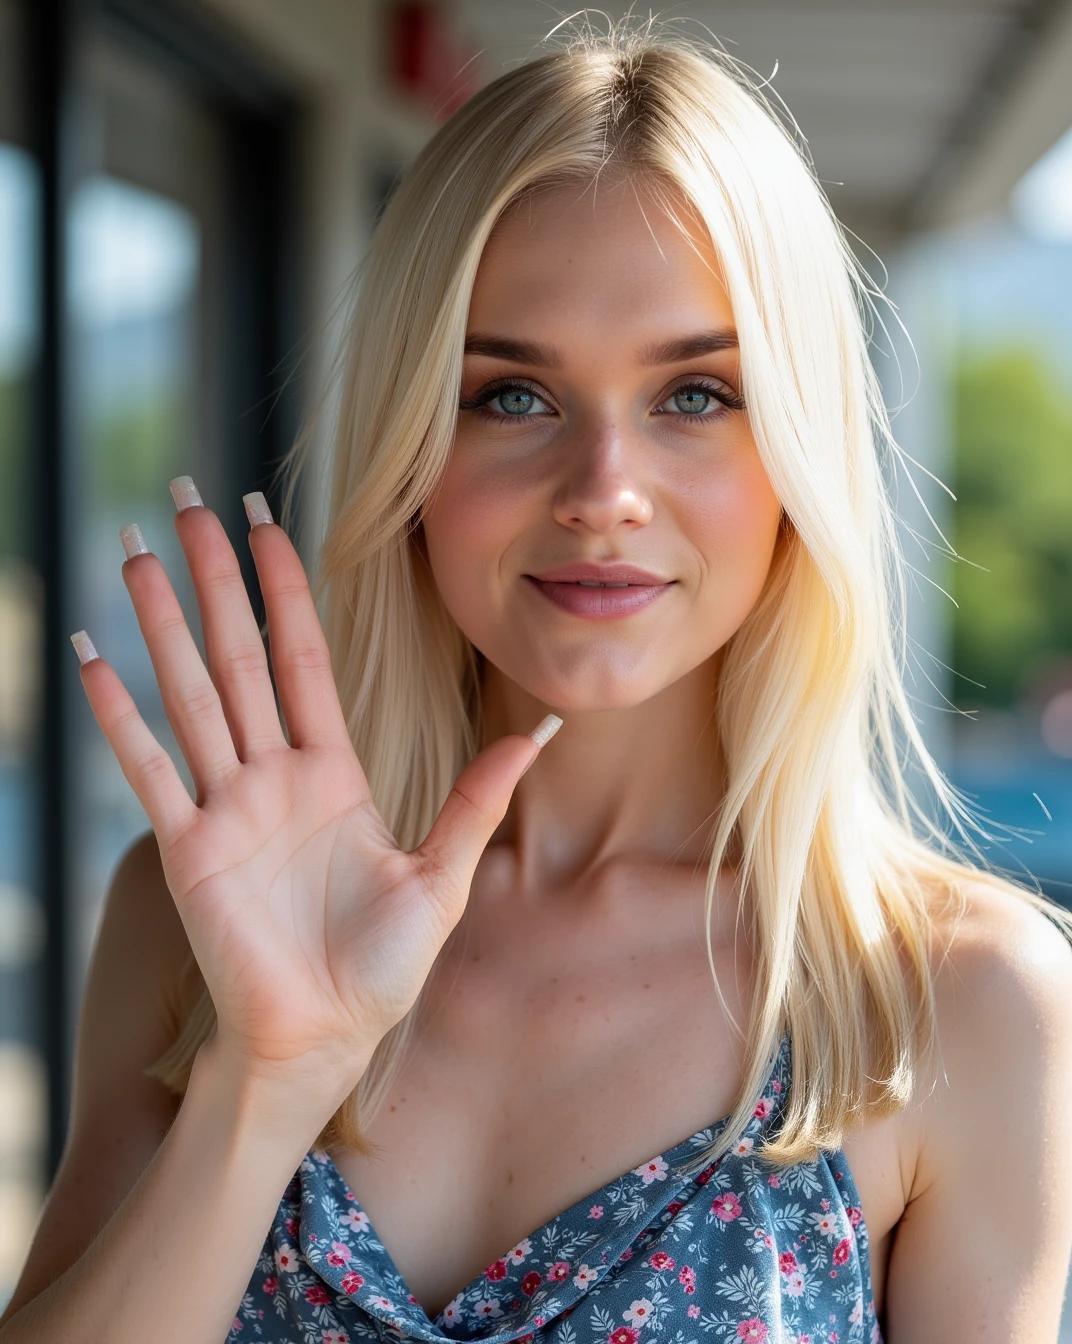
[549,1059]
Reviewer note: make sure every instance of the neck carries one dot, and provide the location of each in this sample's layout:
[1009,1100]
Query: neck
[641,784]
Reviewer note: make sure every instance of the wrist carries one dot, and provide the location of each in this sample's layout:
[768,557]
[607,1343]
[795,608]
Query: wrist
[280,1104]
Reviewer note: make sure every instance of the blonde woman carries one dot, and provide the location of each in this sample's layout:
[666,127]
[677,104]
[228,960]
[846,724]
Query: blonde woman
[697,1030]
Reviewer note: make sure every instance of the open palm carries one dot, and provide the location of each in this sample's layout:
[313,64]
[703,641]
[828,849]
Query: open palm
[313,930]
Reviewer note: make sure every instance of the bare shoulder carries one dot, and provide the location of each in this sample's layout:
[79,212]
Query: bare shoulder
[141,976]
[140,925]
[1003,995]
[140,981]
[138,985]
[982,1246]
[1003,972]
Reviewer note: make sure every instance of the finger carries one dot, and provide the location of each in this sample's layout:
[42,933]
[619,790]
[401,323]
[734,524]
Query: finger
[234,650]
[191,701]
[478,801]
[148,768]
[307,692]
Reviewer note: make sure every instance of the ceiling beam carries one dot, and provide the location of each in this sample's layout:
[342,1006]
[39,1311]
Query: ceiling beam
[1020,105]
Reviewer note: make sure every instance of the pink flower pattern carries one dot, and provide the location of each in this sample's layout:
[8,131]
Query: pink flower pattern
[656,1249]
[727,1207]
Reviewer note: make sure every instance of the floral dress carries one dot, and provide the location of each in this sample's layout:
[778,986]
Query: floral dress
[739,1250]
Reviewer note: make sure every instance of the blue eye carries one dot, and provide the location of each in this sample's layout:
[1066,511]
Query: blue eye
[517,400]
[689,401]
[702,401]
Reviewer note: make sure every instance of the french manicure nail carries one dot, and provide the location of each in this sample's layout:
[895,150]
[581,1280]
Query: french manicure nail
[257,510]
[83,646]
[184,492]
[133,541]
[545,730]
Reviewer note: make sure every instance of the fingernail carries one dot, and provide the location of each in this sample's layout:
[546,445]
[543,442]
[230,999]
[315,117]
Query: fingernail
[257,510]
[133,541]
[184,492]
[83,646]
[545,730]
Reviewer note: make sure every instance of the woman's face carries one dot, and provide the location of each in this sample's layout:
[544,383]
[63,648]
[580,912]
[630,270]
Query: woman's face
[601,424]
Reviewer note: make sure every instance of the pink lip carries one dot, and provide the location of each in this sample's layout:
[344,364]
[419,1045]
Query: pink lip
[599,603]
[596,573]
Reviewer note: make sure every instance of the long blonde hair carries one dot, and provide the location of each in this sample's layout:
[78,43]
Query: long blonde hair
[839,865]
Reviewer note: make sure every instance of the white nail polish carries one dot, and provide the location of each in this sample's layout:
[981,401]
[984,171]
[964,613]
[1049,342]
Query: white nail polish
[133,541]
[83,646]
[257,510]
[545,730]
[184,492]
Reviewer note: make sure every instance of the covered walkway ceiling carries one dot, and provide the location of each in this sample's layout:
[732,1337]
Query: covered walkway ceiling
[917,112]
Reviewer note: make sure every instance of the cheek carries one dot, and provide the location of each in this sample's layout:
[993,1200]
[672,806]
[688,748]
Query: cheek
[468,529]
[732,520]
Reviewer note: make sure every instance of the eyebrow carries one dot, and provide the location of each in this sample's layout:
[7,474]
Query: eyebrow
[663,352]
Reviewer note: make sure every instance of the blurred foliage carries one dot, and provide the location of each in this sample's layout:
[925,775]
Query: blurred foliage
[1013,481]
[14,463]
[136,446]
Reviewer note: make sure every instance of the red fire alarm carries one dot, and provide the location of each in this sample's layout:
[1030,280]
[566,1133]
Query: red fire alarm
[428,61]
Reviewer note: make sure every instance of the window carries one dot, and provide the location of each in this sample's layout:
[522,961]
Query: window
[144,271]
[22,924]
[142,233]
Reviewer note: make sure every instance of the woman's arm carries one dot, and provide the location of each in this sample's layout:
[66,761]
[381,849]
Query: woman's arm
[152,1226]
[175,1258]
[313,930]
[982,1251]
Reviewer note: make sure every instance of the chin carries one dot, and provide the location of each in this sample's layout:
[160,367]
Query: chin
[588,690]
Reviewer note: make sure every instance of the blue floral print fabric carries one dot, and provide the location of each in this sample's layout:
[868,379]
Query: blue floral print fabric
[737,1251]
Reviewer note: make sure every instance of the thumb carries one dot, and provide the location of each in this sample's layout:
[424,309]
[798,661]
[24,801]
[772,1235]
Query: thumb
[478,802]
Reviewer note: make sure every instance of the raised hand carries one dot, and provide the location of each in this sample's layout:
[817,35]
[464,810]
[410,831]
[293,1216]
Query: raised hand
[313,930]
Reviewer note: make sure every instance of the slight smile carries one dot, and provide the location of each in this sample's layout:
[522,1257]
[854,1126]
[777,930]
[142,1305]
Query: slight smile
[588,597]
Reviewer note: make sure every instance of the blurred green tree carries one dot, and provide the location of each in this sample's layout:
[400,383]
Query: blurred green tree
[1013,519]
[136,446]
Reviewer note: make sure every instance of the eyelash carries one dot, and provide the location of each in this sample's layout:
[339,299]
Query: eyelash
[478,403]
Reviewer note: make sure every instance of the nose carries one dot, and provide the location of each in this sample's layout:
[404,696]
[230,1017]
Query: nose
[601,486]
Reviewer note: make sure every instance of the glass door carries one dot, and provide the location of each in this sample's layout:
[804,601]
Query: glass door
[143,234]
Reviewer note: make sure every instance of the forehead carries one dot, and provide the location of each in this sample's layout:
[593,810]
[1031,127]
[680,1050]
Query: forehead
[601,260]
